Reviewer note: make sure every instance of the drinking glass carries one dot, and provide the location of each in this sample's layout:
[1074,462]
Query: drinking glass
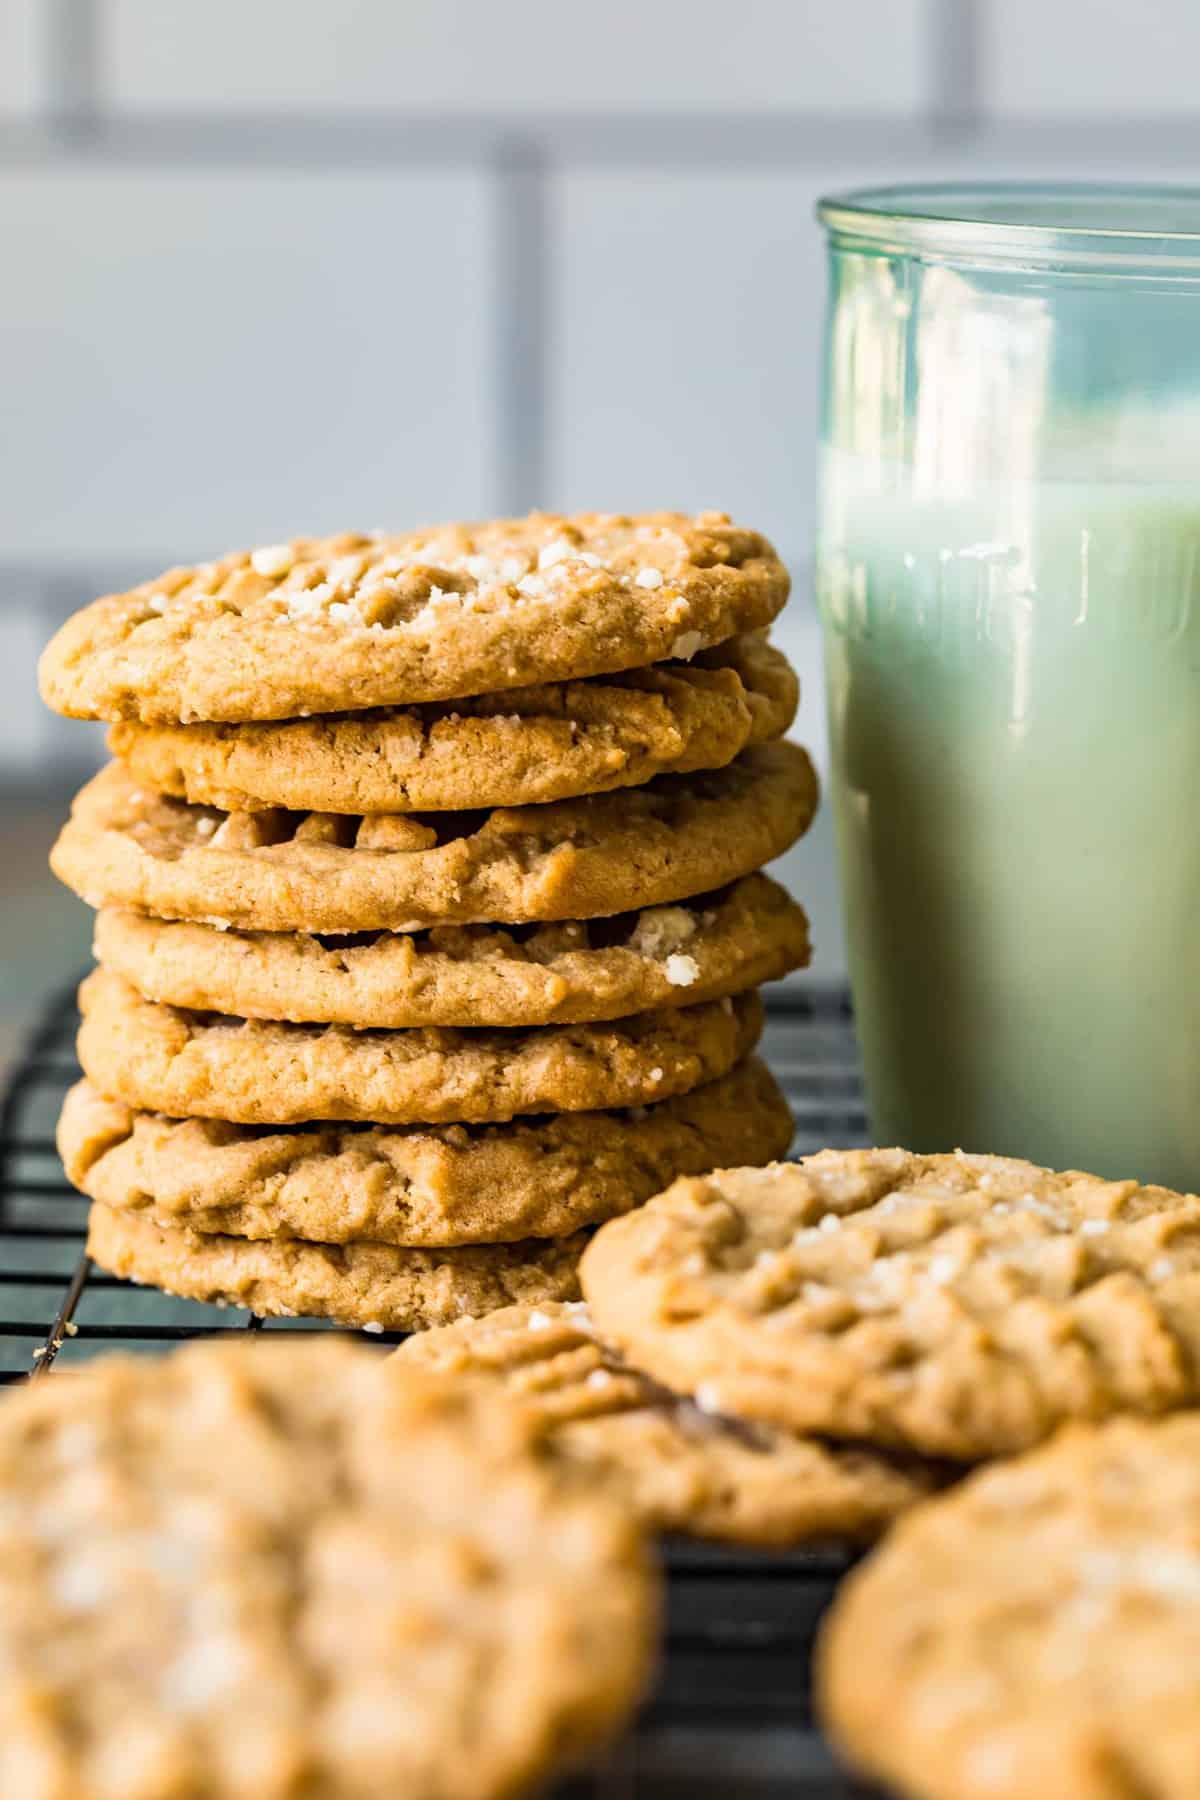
[1008,574]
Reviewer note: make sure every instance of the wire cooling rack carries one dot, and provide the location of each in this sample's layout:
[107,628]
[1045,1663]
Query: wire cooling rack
[731,1714]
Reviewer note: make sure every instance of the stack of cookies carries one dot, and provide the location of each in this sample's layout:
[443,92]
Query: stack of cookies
[430,918]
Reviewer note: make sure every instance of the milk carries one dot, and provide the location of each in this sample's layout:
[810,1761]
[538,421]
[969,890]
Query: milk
[1014,695]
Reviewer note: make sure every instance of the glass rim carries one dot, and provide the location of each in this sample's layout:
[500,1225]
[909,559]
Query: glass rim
[1064,223]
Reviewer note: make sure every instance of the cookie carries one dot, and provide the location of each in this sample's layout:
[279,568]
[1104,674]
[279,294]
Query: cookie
[251,1072]
[326,872]
[434,1185]
[379,1287]
[961,1306]
[510,749]
[1035,1632]
[338,624]
[276,1568]
[679,1468]
[463,975]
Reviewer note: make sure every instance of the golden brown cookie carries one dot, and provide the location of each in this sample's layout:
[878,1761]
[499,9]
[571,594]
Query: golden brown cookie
[1035,1635]
[338,624]
[464,975]
[324,872]
[379,1287]
[251,1072]
[414,1185]
[510,749]
[961,1306]
[284,1568]
[680,1469]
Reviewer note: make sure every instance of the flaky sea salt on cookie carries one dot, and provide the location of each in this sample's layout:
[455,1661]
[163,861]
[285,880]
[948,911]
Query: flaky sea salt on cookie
[283,1568]
[325,625]
[680,1468]
[1034,1635]
[509,749]
[961,1306]
[326,872]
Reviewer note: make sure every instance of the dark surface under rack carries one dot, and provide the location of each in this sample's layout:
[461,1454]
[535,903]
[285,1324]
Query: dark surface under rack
[731,1713]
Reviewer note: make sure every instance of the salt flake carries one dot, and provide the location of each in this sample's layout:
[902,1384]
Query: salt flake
[273,559]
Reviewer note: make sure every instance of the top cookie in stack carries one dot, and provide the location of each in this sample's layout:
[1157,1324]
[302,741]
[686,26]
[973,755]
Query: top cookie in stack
[438,853]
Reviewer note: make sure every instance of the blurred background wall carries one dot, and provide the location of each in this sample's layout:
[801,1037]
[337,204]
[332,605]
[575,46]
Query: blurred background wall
[270,266]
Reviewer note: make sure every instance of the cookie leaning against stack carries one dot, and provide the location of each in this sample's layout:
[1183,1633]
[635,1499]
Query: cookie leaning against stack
[675,1465]
[430,916]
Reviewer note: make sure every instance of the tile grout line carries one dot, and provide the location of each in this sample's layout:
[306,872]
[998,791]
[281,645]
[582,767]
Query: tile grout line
[794,143]
[957,39]
[521,323]
[71,68]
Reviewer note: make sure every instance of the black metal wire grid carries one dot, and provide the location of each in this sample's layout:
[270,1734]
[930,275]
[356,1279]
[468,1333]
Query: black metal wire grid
[731,1713]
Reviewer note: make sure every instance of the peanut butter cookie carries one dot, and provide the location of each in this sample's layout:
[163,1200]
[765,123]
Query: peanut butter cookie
[961,1306]
[463,975]
[1036,1632]
[251,1072]
[413,1185]
[273,1568]
[328,872]
[378,1287]
[337,624]
[510,749]
[680,1468]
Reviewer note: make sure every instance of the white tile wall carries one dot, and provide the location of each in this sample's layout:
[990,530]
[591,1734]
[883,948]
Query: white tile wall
[1101,58]
[195,361]
[557,55]
[20,61]
[686,357]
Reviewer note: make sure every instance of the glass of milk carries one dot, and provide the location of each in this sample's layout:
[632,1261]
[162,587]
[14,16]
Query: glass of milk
[1008,572]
